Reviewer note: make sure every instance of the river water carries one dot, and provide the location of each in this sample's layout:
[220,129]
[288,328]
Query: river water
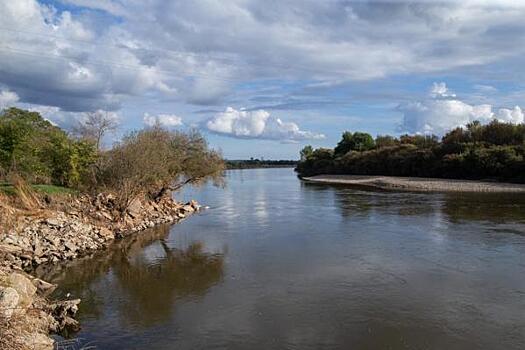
[279,264]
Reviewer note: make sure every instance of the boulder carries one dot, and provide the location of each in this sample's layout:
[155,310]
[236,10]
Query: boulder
[63,313]
[188,208]
[135,208]
[23,286]
[9,300]
[43,287]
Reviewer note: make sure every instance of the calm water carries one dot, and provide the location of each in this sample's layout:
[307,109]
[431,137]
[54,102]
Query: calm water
[279,264]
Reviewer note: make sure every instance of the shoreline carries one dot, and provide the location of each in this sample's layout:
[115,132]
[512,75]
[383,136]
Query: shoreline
[417,184]
[47,236]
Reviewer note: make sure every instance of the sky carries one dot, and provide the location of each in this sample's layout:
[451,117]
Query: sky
[264,78]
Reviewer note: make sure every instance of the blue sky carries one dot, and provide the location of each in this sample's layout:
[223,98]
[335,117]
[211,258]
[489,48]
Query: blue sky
[264,78]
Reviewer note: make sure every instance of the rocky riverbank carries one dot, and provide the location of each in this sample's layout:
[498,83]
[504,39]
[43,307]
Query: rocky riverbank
[60,232]
[417,184]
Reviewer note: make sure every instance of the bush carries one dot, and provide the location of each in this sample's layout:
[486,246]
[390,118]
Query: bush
[496,151]
[40,152]
[155,162]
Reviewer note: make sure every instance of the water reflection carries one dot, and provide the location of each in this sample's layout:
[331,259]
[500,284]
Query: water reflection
[310,267]
[453,207]
[146,273]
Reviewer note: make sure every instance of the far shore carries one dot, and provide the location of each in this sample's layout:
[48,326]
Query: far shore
[417,183]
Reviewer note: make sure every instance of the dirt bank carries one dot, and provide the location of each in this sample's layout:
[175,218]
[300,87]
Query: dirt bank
[417,184]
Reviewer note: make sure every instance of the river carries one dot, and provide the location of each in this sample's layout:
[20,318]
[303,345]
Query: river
[275,263]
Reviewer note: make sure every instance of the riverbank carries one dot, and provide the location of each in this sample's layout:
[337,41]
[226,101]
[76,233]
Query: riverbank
[417,184]
[77,227]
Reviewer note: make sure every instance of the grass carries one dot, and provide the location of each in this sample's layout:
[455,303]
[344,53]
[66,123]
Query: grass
[10,190]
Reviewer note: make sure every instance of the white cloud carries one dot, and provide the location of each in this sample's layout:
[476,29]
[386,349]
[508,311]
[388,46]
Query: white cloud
[167,120]
[257,124]
[442,111]
[440,90]
[7,99]
[194,50]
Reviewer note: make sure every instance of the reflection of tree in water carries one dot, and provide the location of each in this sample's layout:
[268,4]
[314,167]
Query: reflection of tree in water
[492,207]
[152,288]
[362,201]
[455,207]
[148,287]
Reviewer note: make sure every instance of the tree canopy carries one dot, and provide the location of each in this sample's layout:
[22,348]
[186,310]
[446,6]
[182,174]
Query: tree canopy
[492,151]
[152,161]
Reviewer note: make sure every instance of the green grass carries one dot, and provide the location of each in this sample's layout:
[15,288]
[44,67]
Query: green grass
[8,189]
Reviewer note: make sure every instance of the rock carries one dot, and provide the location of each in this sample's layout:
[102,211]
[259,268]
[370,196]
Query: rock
[71,246]
[188,208]
[106,233]
[63,313]
[52,222]
[107,215]
[43,287]
[23,286]
[10,248]
[135,208]
[9,300]
[37,249]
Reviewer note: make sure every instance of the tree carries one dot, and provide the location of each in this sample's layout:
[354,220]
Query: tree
[95,125]
[155,162]
[386,141]
[345,145]
[358,141]
[39,152]
[306,152]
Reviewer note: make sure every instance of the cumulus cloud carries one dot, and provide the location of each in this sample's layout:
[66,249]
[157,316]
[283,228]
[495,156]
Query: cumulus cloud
[257,124]
[443,111]
[7,99]
[104,51]
[167,120]
[62,59]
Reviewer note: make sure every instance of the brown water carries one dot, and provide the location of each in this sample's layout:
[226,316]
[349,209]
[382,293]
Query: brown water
[279,264]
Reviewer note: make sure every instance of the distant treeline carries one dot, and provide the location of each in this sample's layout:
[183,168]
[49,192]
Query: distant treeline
[257,163]
[493,151]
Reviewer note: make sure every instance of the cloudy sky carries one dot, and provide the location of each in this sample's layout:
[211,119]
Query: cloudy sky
[264,78]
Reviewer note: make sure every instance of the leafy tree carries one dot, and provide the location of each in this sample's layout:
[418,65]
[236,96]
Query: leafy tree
[358,141]
[345,145]
[306,152]
[40,152]
[386,141]
[495,150]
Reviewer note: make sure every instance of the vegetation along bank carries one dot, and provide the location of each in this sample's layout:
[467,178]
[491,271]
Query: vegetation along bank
[62,196]
[494,152]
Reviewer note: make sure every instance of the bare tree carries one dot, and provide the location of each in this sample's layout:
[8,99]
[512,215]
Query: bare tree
[95,125]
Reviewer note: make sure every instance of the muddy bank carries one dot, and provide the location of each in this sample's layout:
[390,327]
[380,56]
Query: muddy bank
[417,184]
[50,235]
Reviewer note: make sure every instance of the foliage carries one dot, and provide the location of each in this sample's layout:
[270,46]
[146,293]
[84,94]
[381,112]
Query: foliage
[152,161]
[40,152]
[357,141]
[495,151]
[254,163]
[155,161]
[306,152]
